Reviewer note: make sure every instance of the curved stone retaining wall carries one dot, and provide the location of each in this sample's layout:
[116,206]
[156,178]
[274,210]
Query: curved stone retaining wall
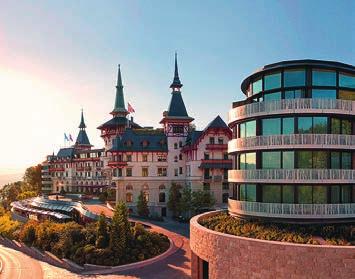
[231,256]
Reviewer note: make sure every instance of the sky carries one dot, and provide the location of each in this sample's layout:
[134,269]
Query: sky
[57,57]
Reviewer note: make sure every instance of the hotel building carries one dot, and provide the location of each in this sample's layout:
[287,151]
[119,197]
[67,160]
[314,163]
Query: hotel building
[136,158]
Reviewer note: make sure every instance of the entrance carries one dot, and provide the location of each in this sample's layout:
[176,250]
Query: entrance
[163,211]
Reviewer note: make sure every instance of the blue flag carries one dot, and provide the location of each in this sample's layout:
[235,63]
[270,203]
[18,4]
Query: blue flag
[66,137]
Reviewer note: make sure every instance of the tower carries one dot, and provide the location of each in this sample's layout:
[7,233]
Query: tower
[119,122]
[82,140]
[176,124]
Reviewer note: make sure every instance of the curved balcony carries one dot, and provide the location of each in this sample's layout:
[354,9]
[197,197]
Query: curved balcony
[292,176]
[292,106]
[293,141]
[291,211]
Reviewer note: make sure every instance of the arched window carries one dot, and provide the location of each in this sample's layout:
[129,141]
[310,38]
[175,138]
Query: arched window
[145,187]
[162,187]
[162,197]
[175,158]
[129,197]
[129,188]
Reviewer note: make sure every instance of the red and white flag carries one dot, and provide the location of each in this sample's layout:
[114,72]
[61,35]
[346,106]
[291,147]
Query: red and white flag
[130,108]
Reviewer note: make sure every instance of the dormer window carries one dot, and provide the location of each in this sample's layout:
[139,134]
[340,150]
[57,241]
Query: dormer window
[145,143]
[129,143]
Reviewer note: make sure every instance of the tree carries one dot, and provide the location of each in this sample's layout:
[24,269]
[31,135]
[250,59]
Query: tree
[142,205]
[185,202]
[120,233]
[174,199]
[102,236]
[202,200]
[33,179]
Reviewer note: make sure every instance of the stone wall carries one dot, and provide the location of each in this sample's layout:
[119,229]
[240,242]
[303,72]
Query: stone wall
[231,256]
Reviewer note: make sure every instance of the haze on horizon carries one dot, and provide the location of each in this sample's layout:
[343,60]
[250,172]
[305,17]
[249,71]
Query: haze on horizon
[58,57]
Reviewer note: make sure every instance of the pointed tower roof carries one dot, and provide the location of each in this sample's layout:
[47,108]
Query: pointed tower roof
[82,140]
[176,82]
[119,107]
[82,122]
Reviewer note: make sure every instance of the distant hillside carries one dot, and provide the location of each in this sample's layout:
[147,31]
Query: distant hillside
[8,178]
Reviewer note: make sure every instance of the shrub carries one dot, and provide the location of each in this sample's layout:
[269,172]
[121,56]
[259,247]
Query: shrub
[8,227]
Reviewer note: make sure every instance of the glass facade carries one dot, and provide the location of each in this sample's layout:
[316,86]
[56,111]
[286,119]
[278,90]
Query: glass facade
[324,78]
[286,161]
[272,81]
[293,78]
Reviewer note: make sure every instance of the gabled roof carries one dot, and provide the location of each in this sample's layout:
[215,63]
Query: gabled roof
[217,123]
[132,140]
[117,121]
[82,138]
[65,152]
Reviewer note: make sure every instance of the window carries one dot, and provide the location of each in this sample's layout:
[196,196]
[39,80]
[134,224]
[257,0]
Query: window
[161,197]
[294,78]
[206,156]
[271,126]
[180,156]
[129,158]
[176,172]
[225,173]
[288,126]
[180,170]
[248,129]
[129,197]
[161,157]
[248,192]
[206,174]
[225,186]
[346,193]
[320,194]
[334,194]
[345,127]
[247,161]
[175,145]
[175,159]
[272,81]
[324,94]
[346,160]
[162,172]
[225,156]
[271,160]
[323,78]
[225,197]
[288,194]
[304,160]
[305,125]
[211,140]
[272,96]
[320,125]
[347,95]
[129,172]
[144,171]
[220,141]
[346,80]
[179,129]
[295,94]
[257,86]
[180,143]
[335,126]
[271,193]
[144,157]
[206,186]
[304,194]
[288,158]
[146,196]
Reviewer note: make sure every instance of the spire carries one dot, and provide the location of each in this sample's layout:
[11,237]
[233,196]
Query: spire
[119,101]
[176,82]
[82,122]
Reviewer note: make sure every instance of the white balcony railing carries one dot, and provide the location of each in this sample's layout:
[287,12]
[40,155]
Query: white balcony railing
[297,176]
[292,141]
[286,210]
[291,106]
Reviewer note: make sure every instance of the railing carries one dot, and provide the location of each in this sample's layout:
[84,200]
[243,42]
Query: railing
[290,106]
[286,210]
[298,176]
[292,141]
[216,146]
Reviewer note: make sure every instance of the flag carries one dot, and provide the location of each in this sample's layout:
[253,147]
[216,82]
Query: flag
[66,137]
[130,108]
[70,137]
